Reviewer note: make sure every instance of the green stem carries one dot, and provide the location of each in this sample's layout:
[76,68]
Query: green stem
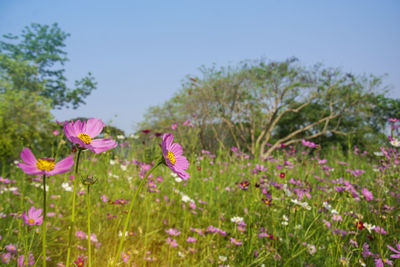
[73,207]
[88,222]
[44,222]
[130,210]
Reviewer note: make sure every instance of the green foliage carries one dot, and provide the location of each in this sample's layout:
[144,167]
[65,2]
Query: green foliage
[24,122]
[42,46]
[259,102]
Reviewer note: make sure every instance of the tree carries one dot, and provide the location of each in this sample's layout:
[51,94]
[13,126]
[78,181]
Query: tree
[258,106]
[42,46]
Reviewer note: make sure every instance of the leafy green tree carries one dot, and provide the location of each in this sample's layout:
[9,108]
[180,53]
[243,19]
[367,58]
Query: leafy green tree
[42,46]
[258,105]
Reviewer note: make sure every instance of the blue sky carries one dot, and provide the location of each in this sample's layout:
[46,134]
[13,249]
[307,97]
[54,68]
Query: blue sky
[140,51]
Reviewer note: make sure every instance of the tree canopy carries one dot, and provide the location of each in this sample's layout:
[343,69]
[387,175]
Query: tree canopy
[41,47]
[258,106]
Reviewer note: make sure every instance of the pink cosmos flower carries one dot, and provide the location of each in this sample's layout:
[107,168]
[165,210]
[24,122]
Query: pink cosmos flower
[174,159]
[79,262]
[236,242]
[397,255]
[82,133]
[81,235]
[367,194]
[43,166]
[4,180]
[172,232]
[308,143]
[172,242]
[125,257]
[21,260]
[6,257]
[34,216]
[191,239]
[174,125]
[11,248]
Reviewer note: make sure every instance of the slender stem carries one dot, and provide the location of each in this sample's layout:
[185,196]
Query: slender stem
[44,222]
[130,210]
[73,207]
[88,222]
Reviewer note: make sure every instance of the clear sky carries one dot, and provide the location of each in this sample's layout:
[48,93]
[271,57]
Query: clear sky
[140,51]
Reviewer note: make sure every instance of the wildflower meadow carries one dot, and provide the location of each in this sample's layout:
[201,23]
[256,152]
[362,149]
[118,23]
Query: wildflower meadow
[99,200]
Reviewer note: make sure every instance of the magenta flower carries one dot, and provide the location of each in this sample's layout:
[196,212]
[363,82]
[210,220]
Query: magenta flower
[308,143]
[4,180]
[173,157]
[172,232]
[397,255]
[21,260]
[6,257]
[34,216]
[236,242]
[367,194]
[82,134]
[43,166]
[174,126]
[191,239]
[172,242]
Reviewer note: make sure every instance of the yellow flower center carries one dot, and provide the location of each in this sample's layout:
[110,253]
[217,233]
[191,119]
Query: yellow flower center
[31,221]
[45,164]
[171,157]
[85,138]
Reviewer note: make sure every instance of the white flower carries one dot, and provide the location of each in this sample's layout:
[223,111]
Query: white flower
[134,136]
[395,142]
[123,167]
[67,187]
[326,205]
[369,227]
[286,190]
[12,189]
[120,137]
[237,219]
[222,258]
[178,179]
[285,218]
[378,154]
[334,211]
[112,162]
[174,174]
[186,198]
[295,201]
[180,254]
[120,234]
[297,227]
[284,223]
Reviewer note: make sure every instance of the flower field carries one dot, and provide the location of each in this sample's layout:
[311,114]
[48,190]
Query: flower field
[105,204]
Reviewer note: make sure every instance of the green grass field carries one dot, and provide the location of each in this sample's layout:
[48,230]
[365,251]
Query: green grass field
[297,208]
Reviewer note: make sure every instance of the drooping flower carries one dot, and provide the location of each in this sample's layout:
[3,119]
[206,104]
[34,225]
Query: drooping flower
[43,166]
[34,216]
[82,134]
[173,157]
